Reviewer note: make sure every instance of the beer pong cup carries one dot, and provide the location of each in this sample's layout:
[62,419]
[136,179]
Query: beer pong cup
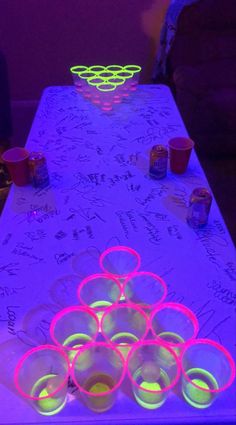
[16,160]
[152,374]
[135,69]
[120,261]
[207,370]
[73,327]
[98,370]
[93,82]
[86,89]
[180,149]
[145,289]
[128,76]
[99,291]
[75,70]
[118,81]
[41,378]
[124,325]
[174,324]
[106,94]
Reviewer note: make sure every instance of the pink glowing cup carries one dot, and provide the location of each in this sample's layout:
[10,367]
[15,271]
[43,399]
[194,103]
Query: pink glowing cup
[16,160]
[153,370]
[124,325]
[74,327]
[99,291]
[180,149]
[41,378]
[174,324]
[145,289]
[207,370]
[98,370]
[120,261]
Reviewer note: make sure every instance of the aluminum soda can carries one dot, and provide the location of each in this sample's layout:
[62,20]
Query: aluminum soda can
[38,169]
[199,207]
[158,161]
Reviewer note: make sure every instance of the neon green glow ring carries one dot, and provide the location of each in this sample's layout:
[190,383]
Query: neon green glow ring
[110,87]
[118,68]
[78,68]
[84,74]
[92,83]
[128,75]
[117,83]
[132,68]
[105,74]
[100,68]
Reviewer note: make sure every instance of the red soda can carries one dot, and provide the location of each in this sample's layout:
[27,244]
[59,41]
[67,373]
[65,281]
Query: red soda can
[158,161]
[38,169]
[199,207]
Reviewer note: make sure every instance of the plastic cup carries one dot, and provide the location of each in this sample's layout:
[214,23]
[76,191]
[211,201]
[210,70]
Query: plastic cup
[98,370]
[124,325]
[17,162]
[86,89]
[94,82]
[41,377]
[118,81]
[145,289]
[152,375]
[74,327]
[135,69]
[180,149]
[120,261]
[207,370]
[99,291]
[106,93]
[75,70]
[128,76]
[174,324]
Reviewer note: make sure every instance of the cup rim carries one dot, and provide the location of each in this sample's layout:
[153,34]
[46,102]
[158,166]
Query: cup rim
[93,277]
[64,312]
[118,307]
[87,347]
[183,309]
[156,343]
[137,68]
[223,350]
[119,248]
[73,68]
[16,148]
[102,68]
[156,277]
[183,148]
[28,354]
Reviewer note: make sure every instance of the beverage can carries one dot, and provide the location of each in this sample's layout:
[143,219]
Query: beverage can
[199,207]
[158,161]
[38,169]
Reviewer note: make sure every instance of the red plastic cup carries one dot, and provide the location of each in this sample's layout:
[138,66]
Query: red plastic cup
[180,149]
[16,160]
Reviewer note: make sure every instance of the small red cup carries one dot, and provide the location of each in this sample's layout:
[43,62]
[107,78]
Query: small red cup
[180,149]
[16,160]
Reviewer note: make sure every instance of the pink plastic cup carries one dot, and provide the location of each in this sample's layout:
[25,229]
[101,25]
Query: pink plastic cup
[180,149]
[207,370]
[124,325]
[74,327]
[120,261]
[145,289]
[16,160]
[99,291]
[98,370]
[174,324]
[153,369]
[41,377]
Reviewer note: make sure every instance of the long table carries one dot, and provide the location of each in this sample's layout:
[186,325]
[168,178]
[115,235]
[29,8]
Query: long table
[101,195]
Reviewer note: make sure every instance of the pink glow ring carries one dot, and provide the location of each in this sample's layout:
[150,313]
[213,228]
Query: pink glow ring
[156,278]
[181,308]
[161,345]
[87,347]
[25,357]
[94,277]
[66,311]
[219,347]
[118,307]
[119,248]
